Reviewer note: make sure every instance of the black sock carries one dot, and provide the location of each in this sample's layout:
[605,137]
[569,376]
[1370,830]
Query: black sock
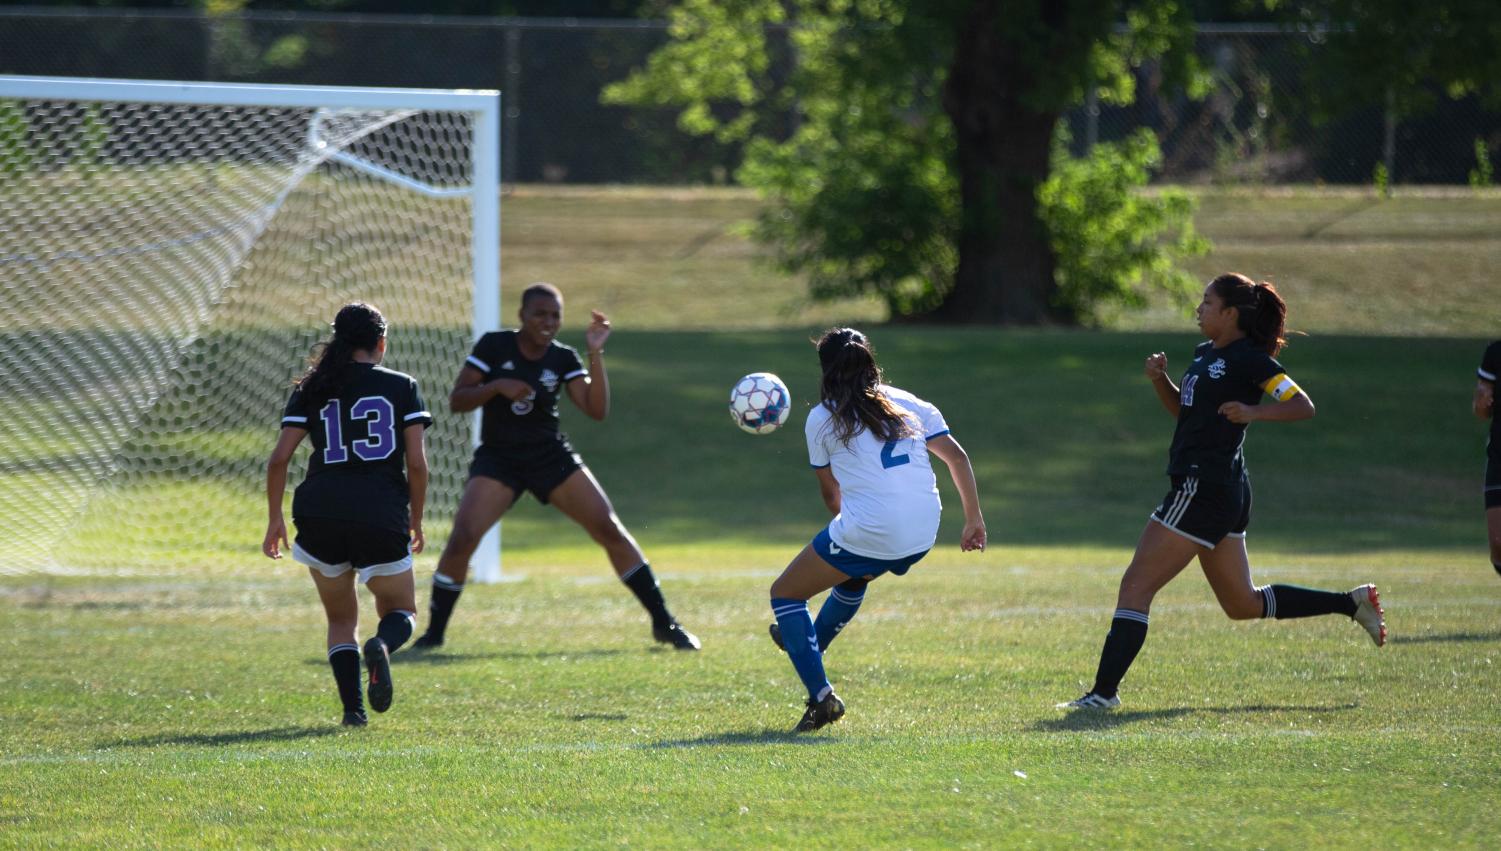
[445,594]
[644,585]
[345,660]
[1290,601]
[395,628]
[1128,631]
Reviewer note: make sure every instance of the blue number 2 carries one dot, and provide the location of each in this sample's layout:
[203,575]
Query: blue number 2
[889,458]
[380,428]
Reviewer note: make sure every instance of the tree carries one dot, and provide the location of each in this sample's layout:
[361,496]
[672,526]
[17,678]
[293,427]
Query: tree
[922,137]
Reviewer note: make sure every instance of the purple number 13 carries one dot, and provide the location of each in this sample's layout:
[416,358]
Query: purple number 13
[380,428]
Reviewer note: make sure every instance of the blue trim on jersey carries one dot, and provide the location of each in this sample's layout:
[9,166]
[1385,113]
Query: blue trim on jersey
[858,566]
[937,434]
[820,466]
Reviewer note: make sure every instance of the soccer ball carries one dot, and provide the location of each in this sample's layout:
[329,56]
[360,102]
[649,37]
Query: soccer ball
[760,403]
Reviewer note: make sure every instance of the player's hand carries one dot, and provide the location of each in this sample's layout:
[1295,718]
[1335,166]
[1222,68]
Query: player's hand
[598,331]
[1238,412]
[512,388]
[1156,366]
[973,536]
[276,538]
[418,539]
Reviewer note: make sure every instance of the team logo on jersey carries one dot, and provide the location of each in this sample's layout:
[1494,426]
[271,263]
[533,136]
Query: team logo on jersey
[1217,369]
[508,365]
[549,380]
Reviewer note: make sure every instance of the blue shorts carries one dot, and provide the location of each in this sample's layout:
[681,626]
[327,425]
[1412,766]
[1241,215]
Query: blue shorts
[858,566]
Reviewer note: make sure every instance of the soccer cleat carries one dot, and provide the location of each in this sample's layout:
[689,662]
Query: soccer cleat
[355,719]
[1369,614]
[378,665]
[427,641]
[1091,701]
[776,637]
[820,713]
[675,635]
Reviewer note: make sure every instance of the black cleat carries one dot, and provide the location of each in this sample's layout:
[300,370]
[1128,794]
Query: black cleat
[776,637]
[355,719]
[821,713]
[427,641]
[378,665]
[675,635]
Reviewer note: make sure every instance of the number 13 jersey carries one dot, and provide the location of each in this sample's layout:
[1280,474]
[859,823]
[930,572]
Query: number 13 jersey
[1206,444]
[358,467]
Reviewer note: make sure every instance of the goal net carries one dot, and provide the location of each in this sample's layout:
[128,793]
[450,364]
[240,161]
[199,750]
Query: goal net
[170,252]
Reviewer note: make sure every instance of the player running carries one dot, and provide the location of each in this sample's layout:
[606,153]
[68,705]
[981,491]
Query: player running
[869,444]
[1208,507]
[359,510]
[518,376]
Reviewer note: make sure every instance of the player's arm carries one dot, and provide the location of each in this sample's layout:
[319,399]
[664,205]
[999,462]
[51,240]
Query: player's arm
[276,489]
[592,393]
[956,459]
[1291,404]
[1485,398]
[471,390]
[1167,391]
[828,488]
[416,449]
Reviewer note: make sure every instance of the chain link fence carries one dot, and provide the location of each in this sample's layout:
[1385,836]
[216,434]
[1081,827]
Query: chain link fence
[1252,128]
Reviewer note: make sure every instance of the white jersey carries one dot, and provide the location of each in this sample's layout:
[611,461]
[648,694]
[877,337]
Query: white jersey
[889,502]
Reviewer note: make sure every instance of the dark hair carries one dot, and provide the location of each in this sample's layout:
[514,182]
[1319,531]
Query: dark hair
[357,327]
[1262,314]
[540,289]
[851,388]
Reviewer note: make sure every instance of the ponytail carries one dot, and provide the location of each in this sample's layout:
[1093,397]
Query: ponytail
[357,327]
[851,388]
[1261,312]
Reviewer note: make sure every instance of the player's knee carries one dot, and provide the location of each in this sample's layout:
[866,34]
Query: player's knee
[608,531]
[854,586]
[1242,608]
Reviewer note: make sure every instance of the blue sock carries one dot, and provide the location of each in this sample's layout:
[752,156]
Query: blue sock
[802,644]
[838,609]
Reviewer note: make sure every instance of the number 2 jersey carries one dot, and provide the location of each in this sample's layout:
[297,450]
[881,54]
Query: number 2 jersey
[533,420]
[1206,444]
[358,468]
[889,503]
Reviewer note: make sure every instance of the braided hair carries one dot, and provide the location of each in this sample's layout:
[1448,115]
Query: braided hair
[1262,314]
[358,327]
[851,388]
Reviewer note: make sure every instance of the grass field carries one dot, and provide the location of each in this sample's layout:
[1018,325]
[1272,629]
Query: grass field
[187,701]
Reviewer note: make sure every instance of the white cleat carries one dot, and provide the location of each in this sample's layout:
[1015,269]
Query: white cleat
[1369,614]
[1091,701]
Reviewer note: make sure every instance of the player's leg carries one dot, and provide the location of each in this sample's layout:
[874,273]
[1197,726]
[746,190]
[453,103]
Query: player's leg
[838,610]
[807,575]
[1493,530]
[342,609]
[1161,554]
[392,584]
[485,499]
[581,498]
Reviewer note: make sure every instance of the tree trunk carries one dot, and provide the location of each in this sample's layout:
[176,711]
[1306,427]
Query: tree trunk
[1006,260]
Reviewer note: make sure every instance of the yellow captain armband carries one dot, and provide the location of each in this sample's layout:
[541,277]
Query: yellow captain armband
[1281,388]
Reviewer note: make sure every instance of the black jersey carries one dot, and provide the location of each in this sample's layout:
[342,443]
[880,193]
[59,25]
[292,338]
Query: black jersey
[532,420]
[358,468]
[1206,444]
[1490,367]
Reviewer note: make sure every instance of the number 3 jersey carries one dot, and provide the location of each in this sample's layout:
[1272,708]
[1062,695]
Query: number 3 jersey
[889,506]
[358,468]
[532,420]
[1206,444]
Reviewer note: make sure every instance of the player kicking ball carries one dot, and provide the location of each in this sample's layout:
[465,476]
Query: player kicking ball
[870,446]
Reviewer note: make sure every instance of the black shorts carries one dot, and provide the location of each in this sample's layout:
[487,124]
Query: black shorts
[538,469]
[1206,512]
[332,543]
[1492,482]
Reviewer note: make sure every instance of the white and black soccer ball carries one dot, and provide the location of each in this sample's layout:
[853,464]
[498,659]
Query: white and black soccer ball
[760,403]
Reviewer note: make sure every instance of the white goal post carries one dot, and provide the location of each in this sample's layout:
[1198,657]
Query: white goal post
[168,252]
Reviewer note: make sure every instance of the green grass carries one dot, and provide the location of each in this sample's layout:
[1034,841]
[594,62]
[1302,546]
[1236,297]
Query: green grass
[170,689]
